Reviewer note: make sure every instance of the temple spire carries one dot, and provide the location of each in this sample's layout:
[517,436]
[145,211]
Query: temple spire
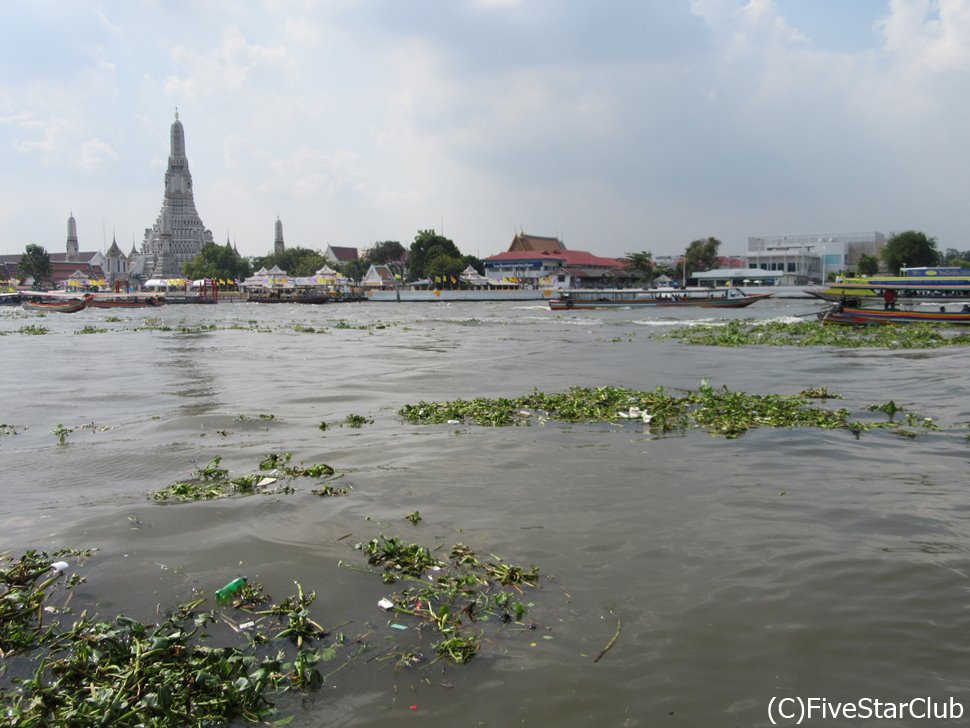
[73,248]
[278,246]
[178,233]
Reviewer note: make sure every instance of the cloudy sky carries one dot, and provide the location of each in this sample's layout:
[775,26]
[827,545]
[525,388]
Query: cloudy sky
[618,125]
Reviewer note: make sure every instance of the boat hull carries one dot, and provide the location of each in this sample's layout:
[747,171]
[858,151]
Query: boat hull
[865,316]
[127,302]
[647,299]
[471,294]
[72,305]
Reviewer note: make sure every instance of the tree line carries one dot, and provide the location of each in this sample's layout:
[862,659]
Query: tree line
[908,249]
[433,256]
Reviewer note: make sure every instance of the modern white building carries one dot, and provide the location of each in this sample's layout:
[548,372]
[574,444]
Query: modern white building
[810,257]
[737,277]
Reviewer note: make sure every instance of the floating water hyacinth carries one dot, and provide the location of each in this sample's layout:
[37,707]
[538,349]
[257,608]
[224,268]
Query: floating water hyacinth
[719,411]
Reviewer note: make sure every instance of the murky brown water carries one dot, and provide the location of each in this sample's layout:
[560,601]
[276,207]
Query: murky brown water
[797,562]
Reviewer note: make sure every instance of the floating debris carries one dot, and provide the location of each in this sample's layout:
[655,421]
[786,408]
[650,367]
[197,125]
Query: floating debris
[124,673]
[451,596]
[718,411]
[214,481]
[811,333]
[356,421]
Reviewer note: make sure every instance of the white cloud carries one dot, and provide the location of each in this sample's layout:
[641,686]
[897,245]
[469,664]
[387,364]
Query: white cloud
[106,24]
[94,152]
[302,31]
[930,36]
[618,125]
[224,69]
[50,138]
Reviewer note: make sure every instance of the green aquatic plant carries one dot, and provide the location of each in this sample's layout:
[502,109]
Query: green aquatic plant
[329,490]
[275,461]
[280,461]
[458,648]
[61,433]
[811,333]
[10,429]
[414,517]
[890,408]
[395,555]
[716,410]
[121,672]
[456,599]
[819,393]
[25,586]
[197,329]
[212,471]
[214,481]
[356,421]
[91,330]
[33,330]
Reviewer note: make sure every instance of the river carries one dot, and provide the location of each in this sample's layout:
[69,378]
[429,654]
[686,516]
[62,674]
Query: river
[785,562]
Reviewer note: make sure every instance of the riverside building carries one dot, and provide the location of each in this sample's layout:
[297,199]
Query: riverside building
[810,257]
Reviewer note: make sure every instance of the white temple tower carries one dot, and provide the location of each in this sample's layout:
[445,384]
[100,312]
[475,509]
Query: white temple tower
[73,249]
[178,233]
[278,245]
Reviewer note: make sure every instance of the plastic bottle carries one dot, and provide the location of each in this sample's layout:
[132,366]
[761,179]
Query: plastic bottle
[231,589]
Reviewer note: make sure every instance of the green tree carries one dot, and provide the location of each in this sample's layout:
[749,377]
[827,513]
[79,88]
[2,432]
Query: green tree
[388,252]
[217,261]
[956,258]
[36,263]
[426,247]
[641,265]
[355,269]
[910,249]
[445,266]
[296,261]
[702,255]
[868,265]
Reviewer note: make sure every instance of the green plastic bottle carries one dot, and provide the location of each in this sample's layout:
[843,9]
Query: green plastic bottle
[231,589]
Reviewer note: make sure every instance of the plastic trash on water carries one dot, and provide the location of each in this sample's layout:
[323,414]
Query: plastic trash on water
[60,566]
[231,589]
[385,603]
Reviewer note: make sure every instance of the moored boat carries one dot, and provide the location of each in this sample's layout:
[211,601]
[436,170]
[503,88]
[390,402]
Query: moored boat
[483,294]
[298,294]
[10,299]
[126,300]
[853,314]
[700,297]
[926,284]
[57,304]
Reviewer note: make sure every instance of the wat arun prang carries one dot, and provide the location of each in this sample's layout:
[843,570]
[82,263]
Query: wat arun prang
[178,234]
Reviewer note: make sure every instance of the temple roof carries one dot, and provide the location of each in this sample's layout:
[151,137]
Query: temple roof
[523,241]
